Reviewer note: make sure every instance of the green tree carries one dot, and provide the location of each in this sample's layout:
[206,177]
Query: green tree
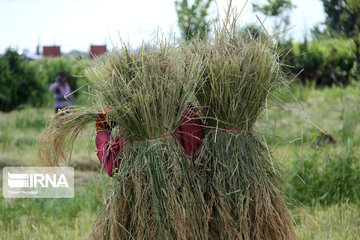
[277,9]
[253,31]
[343,18]
[18,83]
[193,20]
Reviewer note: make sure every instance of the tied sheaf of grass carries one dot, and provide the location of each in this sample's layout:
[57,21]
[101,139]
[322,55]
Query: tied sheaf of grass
[146,89]
[155,195]
[239,74]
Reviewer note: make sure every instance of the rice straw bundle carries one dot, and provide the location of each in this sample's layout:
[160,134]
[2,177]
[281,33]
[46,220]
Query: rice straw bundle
[240,177]
[156,194]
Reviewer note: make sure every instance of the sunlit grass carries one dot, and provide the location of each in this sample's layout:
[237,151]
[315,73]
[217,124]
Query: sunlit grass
[339,221]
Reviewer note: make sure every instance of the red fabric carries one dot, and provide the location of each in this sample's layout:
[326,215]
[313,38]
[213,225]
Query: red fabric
[189,135]
[107,153]
[189,132]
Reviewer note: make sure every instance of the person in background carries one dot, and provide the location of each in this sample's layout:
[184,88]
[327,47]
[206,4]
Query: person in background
[61,89]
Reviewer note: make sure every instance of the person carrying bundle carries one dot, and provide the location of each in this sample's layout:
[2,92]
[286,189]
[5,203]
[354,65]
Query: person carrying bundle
[61,89]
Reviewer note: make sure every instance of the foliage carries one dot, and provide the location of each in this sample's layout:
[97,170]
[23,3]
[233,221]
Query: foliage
[326,181]
[18,82]
[279,10]
[252,31]
[343,18]
[273,8]
[327,62]
[193,20]
[27,82]
[339,63]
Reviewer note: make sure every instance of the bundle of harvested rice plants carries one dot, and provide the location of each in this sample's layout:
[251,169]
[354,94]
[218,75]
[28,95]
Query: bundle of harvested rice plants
[240,178]
[155,195]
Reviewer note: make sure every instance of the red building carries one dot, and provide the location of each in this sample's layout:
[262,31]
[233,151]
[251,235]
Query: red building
[51,51]
[97,50]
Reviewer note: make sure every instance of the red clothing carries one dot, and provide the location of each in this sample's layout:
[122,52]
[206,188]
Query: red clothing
[189,134]
[107,152]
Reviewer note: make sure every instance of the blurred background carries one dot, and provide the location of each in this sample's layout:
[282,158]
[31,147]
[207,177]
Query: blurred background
[313,134]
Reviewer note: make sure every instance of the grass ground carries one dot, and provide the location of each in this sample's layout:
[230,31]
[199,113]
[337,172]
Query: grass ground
[292,130]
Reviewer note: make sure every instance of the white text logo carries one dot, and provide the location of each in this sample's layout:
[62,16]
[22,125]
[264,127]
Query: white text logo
[38,182]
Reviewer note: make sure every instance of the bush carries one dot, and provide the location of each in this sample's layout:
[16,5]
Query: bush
[325,178]
[18,82]
[27,82]
[329,61]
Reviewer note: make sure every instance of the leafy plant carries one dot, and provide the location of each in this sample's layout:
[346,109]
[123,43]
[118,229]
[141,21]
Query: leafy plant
[279,10]
[192,20]
[326,178]
[327,62]
[343,18]
[18,82]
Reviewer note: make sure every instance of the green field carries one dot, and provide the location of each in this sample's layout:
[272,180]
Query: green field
[320,173]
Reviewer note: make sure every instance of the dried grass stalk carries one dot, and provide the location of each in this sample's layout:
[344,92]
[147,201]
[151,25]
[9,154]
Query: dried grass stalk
[241,185]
